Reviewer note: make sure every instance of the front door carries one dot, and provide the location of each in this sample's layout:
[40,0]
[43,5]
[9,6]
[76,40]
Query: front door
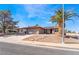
[50,31]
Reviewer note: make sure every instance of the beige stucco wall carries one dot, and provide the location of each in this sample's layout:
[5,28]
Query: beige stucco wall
[33,31]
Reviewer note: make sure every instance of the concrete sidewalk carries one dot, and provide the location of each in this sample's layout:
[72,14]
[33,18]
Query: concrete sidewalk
[57,45]
[19,40]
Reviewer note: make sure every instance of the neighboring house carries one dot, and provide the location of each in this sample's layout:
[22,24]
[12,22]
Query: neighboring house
[9,31]
[37,30]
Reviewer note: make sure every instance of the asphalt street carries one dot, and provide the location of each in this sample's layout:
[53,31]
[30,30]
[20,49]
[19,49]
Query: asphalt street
[17,49]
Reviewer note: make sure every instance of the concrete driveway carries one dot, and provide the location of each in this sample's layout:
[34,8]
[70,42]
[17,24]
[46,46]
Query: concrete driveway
[13,38]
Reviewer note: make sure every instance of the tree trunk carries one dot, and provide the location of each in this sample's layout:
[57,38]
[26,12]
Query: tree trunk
[60,28]
[4,29]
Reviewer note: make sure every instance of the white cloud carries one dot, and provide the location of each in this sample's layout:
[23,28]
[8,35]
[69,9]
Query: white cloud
[38,10]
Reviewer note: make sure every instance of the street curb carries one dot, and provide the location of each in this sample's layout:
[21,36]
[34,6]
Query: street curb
[49,46]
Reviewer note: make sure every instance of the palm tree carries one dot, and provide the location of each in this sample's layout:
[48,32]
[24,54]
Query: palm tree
[6,21]
[58,18]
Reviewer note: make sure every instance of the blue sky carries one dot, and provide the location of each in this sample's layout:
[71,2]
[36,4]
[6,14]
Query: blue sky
[32,14]
[74,24]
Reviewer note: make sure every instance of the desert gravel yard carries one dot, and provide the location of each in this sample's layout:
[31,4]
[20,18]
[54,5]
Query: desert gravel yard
[50,38]
[38,38]
[44,38]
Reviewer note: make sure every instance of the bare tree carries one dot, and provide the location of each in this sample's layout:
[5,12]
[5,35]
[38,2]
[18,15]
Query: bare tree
[6,21]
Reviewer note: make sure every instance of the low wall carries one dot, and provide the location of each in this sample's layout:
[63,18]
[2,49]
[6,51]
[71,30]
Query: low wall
[72,34]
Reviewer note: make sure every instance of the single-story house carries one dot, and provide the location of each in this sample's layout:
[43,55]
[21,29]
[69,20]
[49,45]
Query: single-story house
[37,30]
